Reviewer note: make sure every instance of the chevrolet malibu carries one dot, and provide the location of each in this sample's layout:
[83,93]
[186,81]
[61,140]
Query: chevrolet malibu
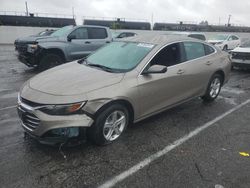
[122,83]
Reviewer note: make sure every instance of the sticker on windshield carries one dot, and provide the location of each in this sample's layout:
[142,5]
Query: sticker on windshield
[145,45]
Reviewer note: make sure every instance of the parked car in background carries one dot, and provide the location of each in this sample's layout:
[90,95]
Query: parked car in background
[64,45]
[199,36]
[241,55]
[225,42]
[119,35]
[123,82]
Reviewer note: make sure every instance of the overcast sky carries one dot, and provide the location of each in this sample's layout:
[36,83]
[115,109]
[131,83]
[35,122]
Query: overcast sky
[162,10]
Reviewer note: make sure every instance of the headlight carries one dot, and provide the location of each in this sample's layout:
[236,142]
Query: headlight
[32,48]
[66,109]
[18,99]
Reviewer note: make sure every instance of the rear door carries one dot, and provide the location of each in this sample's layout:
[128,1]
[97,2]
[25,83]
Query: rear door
[236,41]
[233,42]
[198,67]
[97,37]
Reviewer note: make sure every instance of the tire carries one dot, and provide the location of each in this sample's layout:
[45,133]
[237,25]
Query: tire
[49,60]
[225,48]
[108,125]
[213,89]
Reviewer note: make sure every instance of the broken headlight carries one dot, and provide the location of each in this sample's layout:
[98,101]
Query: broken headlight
[32,48]
[64,109]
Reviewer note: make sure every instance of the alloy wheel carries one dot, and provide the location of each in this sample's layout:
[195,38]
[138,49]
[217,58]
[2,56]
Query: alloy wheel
[114,125]
[215,87]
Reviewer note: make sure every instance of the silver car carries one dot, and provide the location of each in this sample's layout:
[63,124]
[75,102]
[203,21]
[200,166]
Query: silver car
[122,83]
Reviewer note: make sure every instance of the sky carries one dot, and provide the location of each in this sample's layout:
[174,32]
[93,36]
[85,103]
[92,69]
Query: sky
[171,11]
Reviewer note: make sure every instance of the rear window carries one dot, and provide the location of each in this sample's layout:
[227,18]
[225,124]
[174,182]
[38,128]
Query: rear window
[97,33]
[208,49]
[235,38]
[197,36]
[194,50]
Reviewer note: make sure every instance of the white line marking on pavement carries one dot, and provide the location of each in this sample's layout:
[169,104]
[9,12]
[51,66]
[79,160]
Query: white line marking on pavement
[8,107]
[9,95]
[228,100]
[113,181]
[232,90]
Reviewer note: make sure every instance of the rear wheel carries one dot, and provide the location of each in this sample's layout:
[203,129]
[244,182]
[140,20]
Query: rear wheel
[109,125]
[213,88]
[49,60]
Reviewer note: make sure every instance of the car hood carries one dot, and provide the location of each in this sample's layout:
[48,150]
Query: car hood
[34,39]
[214,41]
[73,79]
[241,49]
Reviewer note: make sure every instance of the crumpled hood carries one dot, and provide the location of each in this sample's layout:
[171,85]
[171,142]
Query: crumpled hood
[73,79]
[214,41]
[34,39]
[241,49]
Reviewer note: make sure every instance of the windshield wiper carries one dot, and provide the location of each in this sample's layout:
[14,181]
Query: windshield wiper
[108,69]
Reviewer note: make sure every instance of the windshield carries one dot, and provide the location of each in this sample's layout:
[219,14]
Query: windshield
[245,44]
[120,56]
[63,31]
[219,37]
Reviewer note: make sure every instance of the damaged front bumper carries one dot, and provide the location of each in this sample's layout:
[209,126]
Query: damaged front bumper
[241,63]
[28,58]
[50,128]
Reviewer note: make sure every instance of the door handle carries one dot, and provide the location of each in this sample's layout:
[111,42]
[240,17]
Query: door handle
[107,41]
[209,63]
[180,71]
[87,42]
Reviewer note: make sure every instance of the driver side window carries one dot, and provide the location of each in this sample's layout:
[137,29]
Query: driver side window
[169,56]
[80,33]
[230,38]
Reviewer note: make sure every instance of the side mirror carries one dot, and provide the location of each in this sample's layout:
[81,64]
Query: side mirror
[71,37]
[155,69]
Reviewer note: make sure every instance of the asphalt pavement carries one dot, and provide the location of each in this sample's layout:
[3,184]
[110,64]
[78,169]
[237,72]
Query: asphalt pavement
[210,158]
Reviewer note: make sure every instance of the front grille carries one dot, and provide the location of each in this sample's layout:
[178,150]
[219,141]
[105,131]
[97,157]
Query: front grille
[21,48]
[28,119]
[241,55]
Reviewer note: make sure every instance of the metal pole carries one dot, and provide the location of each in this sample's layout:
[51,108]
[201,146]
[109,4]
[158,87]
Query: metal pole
[229,18]
[73,12]
[152,21]
[27,11]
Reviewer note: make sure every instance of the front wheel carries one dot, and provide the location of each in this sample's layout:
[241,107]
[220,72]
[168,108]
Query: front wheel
[109,125]
[225,48]
[49,60]
[213,88]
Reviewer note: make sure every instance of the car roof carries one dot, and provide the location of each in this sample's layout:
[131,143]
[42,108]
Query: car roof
[187,33]
[158,39]
[79,26]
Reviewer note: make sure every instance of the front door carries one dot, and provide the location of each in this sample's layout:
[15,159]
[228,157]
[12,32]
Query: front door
[80,46]
[160,90]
